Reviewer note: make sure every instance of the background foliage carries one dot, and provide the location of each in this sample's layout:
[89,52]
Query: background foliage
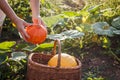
[84,25]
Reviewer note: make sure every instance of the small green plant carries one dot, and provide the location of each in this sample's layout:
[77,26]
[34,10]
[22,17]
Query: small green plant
[14,67]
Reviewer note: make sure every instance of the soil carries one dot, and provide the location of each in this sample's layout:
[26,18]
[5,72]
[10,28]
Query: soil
[97,64]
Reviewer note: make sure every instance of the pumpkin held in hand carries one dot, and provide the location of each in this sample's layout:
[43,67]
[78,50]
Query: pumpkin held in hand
[67,61]
[37,33]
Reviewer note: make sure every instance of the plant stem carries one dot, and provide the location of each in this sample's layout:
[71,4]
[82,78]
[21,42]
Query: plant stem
[115,55]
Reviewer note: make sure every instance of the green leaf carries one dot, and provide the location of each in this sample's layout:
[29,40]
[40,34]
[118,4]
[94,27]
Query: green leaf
[21,46]
[3,58]
[5,51]
[72,34]
[44,47]
[103,28]
[116,22]
[29,48]
[42,1]
[84,13]
[117,32]
[86,27]
[94,8]
[18,56]
[50,21]
[56,36]
[108,12]
[69,34]
[6,46]
[69,14]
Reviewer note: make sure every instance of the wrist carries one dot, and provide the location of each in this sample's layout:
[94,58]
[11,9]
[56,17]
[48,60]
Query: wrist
[16,20]
[36,17]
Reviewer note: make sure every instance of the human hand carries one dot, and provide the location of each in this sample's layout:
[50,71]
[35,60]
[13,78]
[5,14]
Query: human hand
[38,20]
[21,24]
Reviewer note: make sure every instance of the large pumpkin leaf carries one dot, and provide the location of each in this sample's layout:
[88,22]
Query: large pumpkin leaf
[44,47]
[6,46]
[103,28]
[116,22]
[29,48]
[3,58]
[50,21]
[18,55]
[56,36]
[69,34]
[39,47]
[72,34]
[117,32]
[86,27]
[21,46]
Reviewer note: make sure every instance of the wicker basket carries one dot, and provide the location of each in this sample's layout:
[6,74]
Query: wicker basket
[38,69]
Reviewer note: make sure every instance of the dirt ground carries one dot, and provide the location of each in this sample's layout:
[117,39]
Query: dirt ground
[97,64]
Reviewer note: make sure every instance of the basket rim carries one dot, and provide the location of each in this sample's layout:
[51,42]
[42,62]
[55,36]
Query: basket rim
[52,67]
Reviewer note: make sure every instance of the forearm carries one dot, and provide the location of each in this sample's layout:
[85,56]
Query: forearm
[35,7]
[5,7]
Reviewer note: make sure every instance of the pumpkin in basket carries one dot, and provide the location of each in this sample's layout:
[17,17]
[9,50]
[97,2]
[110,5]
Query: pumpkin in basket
[37,33]
[67,61]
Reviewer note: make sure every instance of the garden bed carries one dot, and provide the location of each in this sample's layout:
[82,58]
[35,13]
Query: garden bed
[95,65]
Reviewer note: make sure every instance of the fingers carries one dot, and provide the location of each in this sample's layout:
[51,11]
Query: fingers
[26,24]
[22,36]
[25,34]
[38,21]
[42,23]
[21,28]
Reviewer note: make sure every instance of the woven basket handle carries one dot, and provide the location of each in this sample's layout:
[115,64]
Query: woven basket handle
[57,42]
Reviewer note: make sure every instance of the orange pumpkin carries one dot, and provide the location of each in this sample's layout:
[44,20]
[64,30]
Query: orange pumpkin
[37,33]
[67,61]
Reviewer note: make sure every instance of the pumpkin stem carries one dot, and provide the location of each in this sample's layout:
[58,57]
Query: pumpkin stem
[35,21]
